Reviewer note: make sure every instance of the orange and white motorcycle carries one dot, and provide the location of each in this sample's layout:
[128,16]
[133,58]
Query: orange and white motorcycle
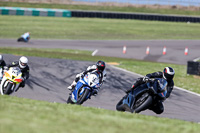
[11,81]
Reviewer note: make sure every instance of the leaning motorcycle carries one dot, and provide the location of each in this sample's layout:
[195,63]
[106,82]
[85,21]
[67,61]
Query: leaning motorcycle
[11,81]
[143,96]
[84,88]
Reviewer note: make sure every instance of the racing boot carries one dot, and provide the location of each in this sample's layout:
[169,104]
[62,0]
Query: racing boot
[72,86]
[137,83]
[129,90]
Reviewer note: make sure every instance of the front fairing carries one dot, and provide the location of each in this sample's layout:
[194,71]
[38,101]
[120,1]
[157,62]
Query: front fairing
[161,88]
[92,80]
[14,74]
[89,81]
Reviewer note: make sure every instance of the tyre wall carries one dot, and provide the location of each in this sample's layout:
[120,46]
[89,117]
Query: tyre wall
[94,14]
[34,12]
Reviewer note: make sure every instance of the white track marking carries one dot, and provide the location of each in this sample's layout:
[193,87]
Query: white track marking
[93,54]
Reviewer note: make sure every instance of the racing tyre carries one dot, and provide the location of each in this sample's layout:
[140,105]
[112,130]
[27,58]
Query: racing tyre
[7,90]
[142,103]
[82,97]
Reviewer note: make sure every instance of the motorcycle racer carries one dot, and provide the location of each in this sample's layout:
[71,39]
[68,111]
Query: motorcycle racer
[168,74]
[23,65]
[99,68]
[25,37]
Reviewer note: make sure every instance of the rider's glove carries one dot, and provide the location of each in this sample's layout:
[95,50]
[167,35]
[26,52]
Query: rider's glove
[145,79]
[80,75]
[5,68]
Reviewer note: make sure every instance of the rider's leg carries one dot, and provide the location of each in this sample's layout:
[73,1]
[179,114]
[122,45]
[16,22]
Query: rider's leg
[136,83]
[73,83]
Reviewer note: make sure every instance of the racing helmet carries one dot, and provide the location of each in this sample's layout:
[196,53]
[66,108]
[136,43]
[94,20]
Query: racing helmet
[100,66]
[23,61]
[168,73]
[1,57]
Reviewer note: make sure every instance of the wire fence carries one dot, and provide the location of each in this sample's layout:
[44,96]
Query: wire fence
[138,2]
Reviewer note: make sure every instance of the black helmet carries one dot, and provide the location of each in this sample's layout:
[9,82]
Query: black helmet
[168,73]
[100,66]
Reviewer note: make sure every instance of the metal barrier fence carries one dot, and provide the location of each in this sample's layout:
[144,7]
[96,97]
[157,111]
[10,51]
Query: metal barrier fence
[139,2]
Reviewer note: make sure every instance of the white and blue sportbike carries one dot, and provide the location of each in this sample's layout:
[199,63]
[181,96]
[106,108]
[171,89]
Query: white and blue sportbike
[84,88]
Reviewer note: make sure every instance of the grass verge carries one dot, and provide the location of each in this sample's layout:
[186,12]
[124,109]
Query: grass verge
[19,115]
[95,29]
[181,78]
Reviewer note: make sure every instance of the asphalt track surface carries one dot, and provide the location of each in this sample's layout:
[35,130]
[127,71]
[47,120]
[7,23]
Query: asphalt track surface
[49,78]
[134,49]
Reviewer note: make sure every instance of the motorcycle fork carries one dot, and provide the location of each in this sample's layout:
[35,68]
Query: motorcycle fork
[128,102]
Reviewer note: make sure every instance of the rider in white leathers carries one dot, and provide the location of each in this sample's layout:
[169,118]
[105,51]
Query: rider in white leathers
[99,68]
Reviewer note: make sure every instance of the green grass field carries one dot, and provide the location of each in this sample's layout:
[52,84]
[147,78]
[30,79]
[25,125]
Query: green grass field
[160,10]
[18,115]
[95,29]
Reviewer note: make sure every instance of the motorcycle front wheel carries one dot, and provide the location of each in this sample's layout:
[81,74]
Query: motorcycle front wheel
[142,103]
[8,89]
[82,98]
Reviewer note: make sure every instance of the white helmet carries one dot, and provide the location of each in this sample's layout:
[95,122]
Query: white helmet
[23,61]
[1,57]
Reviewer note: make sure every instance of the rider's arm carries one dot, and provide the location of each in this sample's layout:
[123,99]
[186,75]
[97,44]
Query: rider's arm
[155,75]
[15,63]
[170,87]
[85,72]
[26,73]
[3,63]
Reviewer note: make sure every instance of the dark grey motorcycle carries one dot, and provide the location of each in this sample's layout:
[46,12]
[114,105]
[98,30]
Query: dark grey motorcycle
[143,96]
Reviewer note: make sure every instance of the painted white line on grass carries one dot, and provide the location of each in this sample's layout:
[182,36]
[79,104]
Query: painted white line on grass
[93,54]
[121,69]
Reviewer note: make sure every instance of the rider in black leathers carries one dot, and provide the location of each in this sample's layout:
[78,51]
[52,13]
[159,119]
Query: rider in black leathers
[168,74]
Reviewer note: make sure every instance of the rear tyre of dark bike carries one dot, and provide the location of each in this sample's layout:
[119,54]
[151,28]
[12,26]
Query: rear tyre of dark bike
[145,104]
